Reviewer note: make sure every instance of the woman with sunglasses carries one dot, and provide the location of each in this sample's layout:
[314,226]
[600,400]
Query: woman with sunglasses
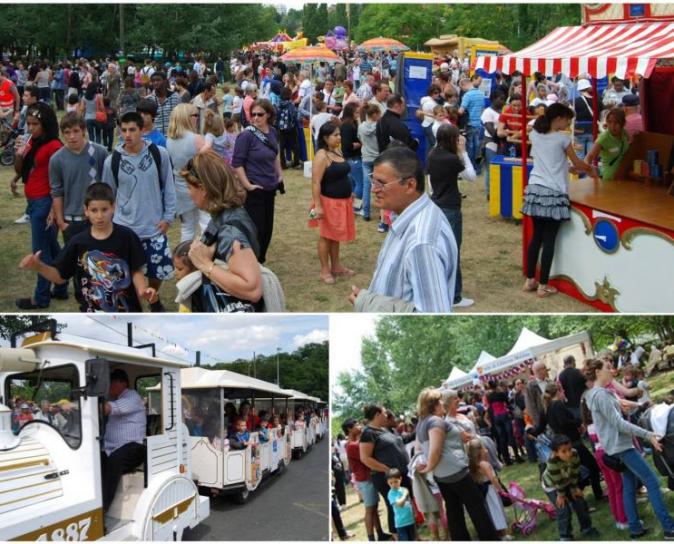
[332,202]
[229,237]
[257,162]
[183,143]
[32,155]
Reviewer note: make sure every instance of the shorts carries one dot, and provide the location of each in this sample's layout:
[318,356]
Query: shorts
[158,259]
[368,492]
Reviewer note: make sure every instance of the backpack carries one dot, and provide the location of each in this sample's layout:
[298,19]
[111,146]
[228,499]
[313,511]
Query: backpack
[156,156]
[286,119]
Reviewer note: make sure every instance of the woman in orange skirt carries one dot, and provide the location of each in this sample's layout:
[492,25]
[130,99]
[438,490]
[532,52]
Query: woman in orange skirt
[332,202]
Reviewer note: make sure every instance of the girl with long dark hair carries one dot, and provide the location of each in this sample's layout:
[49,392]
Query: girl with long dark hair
[546,198]
[446,161]
[32,163]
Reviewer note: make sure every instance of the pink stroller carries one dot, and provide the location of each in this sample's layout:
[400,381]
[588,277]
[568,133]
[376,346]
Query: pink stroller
[526,510]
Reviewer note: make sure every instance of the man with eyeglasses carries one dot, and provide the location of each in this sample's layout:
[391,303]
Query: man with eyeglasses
[416,267]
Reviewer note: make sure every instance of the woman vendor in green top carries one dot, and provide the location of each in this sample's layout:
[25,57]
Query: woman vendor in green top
[611,145]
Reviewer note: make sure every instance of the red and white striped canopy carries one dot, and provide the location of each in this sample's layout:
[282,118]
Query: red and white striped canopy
[599,50]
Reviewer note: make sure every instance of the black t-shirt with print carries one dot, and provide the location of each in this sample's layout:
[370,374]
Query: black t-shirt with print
[103,269]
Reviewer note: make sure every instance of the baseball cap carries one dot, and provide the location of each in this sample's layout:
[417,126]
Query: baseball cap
[444,66]
[630,100]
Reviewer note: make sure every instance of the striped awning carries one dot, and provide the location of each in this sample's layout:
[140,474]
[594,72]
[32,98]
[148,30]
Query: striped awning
[622,49]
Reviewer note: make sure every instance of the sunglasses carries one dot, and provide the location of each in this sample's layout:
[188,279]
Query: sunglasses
[258,114]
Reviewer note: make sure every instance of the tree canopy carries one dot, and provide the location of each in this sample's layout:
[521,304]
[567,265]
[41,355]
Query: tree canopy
[217,29]
[410,353]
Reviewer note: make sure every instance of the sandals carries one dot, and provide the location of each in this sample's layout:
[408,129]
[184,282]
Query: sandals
[545,291]
[530,285]
[343,272]
[328,279]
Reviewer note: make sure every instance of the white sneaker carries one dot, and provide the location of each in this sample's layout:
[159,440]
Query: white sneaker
[22,220]
[359,211]
[463,303]
[622,526]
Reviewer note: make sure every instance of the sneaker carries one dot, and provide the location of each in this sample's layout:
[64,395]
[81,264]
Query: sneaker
[622,526]
[382,227]
[640,534]
[358,211]
[25,218]
[463,303]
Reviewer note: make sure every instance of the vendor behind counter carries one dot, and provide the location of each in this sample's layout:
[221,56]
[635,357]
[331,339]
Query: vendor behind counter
[611,145]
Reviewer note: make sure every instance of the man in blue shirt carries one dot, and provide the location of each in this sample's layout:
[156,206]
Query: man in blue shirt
[472,103]
[123,448]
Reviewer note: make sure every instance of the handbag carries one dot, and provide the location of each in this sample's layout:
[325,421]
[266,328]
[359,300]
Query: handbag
[614,463]
[101,116]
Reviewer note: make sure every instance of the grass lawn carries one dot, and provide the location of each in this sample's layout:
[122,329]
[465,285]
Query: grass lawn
[527,476]
[491,257]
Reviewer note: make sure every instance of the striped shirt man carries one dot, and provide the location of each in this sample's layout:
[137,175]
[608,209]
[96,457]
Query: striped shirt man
[164,109]
[418,260]
[126,421]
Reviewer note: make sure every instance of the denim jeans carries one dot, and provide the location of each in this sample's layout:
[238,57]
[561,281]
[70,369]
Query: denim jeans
[406,533]
[504,436]
[356,176]
[430,138]
[367,190]
[564,514]
[94,130]
[473,146]
[638,469]
[455,219]
[584,140]
[489,155]
[44,239]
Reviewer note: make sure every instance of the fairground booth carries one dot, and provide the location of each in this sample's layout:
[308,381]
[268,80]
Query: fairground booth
[617,251]
[529,348]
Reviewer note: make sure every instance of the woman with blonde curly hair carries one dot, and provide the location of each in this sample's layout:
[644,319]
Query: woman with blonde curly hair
[183,143]
[230,237]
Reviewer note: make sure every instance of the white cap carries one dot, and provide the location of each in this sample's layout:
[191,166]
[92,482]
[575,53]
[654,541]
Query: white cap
[444,66]
[584,84]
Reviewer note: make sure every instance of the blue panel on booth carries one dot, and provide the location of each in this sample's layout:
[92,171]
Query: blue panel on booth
[417,77]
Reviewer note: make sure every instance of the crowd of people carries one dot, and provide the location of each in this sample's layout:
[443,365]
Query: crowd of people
[582,429]
[212,155]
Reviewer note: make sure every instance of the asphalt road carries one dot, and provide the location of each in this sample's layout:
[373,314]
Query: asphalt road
[292,506]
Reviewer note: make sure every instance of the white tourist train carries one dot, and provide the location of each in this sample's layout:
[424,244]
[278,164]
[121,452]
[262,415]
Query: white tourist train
[50,473]
[211,401]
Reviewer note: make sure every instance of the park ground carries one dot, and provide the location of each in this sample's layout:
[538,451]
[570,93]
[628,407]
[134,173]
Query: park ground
[526,475]
[491,257]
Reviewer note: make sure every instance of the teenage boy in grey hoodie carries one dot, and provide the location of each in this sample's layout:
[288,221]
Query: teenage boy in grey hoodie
[145,198]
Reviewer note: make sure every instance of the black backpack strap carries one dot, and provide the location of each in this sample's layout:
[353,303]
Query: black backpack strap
[114,165]
[156,155]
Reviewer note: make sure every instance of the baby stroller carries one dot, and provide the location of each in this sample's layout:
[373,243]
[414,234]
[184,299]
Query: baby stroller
[664,460]
[526,510]
[8,136]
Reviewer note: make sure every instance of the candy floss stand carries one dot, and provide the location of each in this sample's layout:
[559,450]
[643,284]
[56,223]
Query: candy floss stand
[617,251]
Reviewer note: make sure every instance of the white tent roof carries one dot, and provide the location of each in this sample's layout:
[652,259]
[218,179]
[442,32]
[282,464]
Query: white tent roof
[527,339]
[197,377]
[456,373]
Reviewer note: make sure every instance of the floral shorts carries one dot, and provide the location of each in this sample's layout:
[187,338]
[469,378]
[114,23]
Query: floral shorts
[158,258]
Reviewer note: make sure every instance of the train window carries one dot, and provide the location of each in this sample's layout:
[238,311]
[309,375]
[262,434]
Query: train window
[45,396]
[149,387]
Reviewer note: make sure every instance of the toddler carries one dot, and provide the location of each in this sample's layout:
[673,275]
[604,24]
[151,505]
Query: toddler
[399,497]
[240,439]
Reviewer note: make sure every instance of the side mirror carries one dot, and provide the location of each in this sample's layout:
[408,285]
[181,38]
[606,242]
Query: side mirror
[98,377]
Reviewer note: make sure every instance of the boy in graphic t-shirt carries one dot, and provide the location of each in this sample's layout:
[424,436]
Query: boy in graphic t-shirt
[106,260]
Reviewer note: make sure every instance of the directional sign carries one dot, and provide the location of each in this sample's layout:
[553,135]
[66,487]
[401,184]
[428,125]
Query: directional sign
[606,236]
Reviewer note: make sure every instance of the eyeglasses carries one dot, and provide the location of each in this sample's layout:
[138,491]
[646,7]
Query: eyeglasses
[258,114]
[379,184]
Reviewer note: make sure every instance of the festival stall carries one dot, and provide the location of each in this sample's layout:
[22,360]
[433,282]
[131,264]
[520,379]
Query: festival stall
[307,56]
[528,348]
[617,251]
[414,76]
[462,46]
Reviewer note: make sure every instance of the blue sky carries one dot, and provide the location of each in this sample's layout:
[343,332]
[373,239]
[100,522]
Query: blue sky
[220,337]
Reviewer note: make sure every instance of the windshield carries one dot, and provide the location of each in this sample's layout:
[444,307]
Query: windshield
[45,395]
